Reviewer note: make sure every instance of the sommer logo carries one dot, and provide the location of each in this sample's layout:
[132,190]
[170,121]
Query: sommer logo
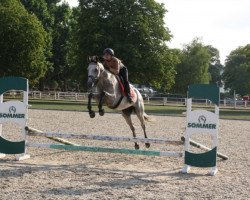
[12,113]
[12,109]
[202,123]
[202,119]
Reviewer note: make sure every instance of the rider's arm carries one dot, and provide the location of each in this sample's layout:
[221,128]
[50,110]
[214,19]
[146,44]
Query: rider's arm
[115,66]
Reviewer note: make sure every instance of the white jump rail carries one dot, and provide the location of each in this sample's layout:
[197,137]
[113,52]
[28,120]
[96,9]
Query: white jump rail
[35,132]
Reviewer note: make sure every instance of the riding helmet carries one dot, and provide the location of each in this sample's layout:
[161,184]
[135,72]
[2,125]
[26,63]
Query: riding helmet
[109,51]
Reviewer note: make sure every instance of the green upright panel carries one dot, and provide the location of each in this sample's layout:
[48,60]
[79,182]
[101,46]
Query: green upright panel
[205,91]
[202,122]
[13,83]
[11,111]
[9,147]
[207,159]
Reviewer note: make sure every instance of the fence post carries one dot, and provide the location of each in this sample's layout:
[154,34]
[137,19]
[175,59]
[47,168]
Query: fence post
[225,103]
[234,100]
[245,103]
[165,101]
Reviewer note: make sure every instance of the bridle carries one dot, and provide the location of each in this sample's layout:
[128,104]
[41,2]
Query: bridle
[94,79]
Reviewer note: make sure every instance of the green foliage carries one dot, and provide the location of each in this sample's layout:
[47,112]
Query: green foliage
[52,2]
[237,71]
[61,72]
[215,67]
[22,43]
[56,21]
[135,30]
[43,12]
[73,46]
[40,9]
[193,68]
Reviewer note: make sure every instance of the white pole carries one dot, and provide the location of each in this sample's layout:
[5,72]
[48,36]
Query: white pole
[234,100]
[1,101]
[2,155]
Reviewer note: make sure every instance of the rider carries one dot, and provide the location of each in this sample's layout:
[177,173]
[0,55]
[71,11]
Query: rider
[116,66]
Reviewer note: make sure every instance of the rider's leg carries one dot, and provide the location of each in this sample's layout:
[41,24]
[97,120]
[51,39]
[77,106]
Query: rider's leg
[124,73]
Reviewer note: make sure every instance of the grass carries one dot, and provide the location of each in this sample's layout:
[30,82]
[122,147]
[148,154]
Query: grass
[228,113]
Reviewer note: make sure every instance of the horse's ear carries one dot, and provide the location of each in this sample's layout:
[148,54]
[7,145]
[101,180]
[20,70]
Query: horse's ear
[88,59]
[96,59]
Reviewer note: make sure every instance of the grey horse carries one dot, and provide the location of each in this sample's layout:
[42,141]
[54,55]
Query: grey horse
[108,92]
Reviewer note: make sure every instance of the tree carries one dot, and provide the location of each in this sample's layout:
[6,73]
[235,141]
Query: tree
[135,30]
[215,67]
[23,42]
[60,44]
[237,71]
[193,68]
[56,21]
[52,2]
[73,52]
[43,12]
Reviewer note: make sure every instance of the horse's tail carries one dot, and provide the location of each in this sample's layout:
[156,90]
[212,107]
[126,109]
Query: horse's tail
[148,118]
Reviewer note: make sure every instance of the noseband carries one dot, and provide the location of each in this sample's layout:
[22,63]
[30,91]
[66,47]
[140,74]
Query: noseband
[94,79]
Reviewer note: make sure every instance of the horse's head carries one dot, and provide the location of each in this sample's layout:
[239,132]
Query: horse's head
[94,71]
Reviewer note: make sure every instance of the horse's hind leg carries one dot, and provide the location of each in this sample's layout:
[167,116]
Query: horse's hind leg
[127,116]
[140,114]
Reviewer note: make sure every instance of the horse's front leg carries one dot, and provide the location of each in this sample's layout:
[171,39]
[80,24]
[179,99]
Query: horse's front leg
[91,112]
[101,100]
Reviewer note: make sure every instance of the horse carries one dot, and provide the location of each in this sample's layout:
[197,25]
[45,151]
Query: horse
[107,90]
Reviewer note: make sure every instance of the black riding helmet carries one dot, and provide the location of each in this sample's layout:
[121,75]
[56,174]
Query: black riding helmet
[109,51]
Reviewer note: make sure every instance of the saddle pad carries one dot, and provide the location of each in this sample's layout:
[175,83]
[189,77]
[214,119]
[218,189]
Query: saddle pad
[132,91]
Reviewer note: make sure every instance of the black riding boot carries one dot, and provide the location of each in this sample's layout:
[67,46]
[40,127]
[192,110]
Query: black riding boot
[124,74]
[127,91]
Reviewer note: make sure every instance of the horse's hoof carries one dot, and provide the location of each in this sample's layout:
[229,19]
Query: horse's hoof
[92,114]
[147,145]
[137,146]
[101,112]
